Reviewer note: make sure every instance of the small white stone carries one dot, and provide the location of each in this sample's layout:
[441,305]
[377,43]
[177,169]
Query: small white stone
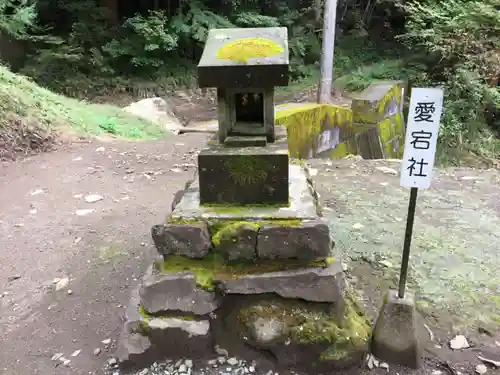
[358,226]
[93,198]
[112,361]
[84,212]
[436,372]
[481,369]
[56,356]
[459,342]
[70,292]
[62,283]
[232,361]
[75,353]
[106,342]
[387,170]
[188,363]
[100,149]
[386,263]
[36,192]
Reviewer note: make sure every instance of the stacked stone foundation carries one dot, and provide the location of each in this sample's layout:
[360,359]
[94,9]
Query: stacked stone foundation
[255,281]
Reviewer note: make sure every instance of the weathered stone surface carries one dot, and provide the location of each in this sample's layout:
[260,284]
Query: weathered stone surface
[245,141]
[302,204]
[243,175]
[237,241]
[395,336]
[175,292]
[310,284]
[145,340]
[265,330]
[309,240]
[158,111]
[190,240]
[297,333]
[257,71]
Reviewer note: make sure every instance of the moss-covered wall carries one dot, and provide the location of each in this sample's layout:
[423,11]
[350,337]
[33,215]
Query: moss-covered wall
[319,130]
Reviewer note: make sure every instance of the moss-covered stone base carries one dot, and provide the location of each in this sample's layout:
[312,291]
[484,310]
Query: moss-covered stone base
[213,268]
[296,332]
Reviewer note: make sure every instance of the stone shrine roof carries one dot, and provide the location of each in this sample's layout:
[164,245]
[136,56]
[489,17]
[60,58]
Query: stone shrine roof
[245,58]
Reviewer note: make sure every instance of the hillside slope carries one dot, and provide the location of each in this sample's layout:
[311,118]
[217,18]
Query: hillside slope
[31,117]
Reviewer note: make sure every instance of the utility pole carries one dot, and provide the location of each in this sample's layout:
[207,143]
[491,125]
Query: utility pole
[327,52]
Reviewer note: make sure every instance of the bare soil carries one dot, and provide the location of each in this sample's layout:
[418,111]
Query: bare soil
[45,236]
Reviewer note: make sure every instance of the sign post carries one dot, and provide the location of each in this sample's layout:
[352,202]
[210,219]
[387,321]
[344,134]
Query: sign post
[422,129]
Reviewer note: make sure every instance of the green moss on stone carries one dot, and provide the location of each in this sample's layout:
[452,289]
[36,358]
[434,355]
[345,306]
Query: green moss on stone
[247,169]
[180,221]
[213,267]
[145,315]
[229,229]
[308,325]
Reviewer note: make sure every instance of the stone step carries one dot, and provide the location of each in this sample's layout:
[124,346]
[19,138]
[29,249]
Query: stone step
[298,333]
[190,292]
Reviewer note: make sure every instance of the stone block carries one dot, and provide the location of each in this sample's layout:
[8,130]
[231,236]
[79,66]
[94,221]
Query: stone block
[303,204]
[245,141]
[305,336]
[308,240]
[245,57]
[243,176]
[145,340]
[395,337]
[309,284]
[175,292]
[192,241]
[237,241]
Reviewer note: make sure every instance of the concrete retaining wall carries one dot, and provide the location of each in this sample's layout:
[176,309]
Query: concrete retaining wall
[372,127]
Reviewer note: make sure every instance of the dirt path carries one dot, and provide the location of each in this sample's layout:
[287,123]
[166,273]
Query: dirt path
[102,253]
[48,234]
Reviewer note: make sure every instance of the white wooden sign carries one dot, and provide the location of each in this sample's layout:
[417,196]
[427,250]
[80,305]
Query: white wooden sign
[422,128]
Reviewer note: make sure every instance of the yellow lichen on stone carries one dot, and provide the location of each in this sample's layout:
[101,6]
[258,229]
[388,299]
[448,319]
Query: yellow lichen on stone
[305,122]
[249,48]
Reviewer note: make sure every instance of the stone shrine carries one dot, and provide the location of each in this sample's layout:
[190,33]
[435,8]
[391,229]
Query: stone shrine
[246,259]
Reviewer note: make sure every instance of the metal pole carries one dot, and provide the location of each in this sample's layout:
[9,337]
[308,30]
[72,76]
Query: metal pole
[403,275]
[327,52]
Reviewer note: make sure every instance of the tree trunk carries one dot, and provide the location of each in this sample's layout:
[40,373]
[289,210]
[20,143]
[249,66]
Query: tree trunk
[317,11]
[327,53]
[112,13]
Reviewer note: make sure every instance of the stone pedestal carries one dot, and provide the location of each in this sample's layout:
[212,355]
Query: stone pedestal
[244,175]
[247,279]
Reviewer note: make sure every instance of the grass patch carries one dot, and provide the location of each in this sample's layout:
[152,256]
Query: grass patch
[21,98]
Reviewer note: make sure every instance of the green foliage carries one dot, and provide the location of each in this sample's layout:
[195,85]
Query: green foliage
[459,41]
[16,20]
[143,43]
[453,44]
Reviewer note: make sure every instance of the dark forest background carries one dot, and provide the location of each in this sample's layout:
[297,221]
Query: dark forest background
[83,48]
